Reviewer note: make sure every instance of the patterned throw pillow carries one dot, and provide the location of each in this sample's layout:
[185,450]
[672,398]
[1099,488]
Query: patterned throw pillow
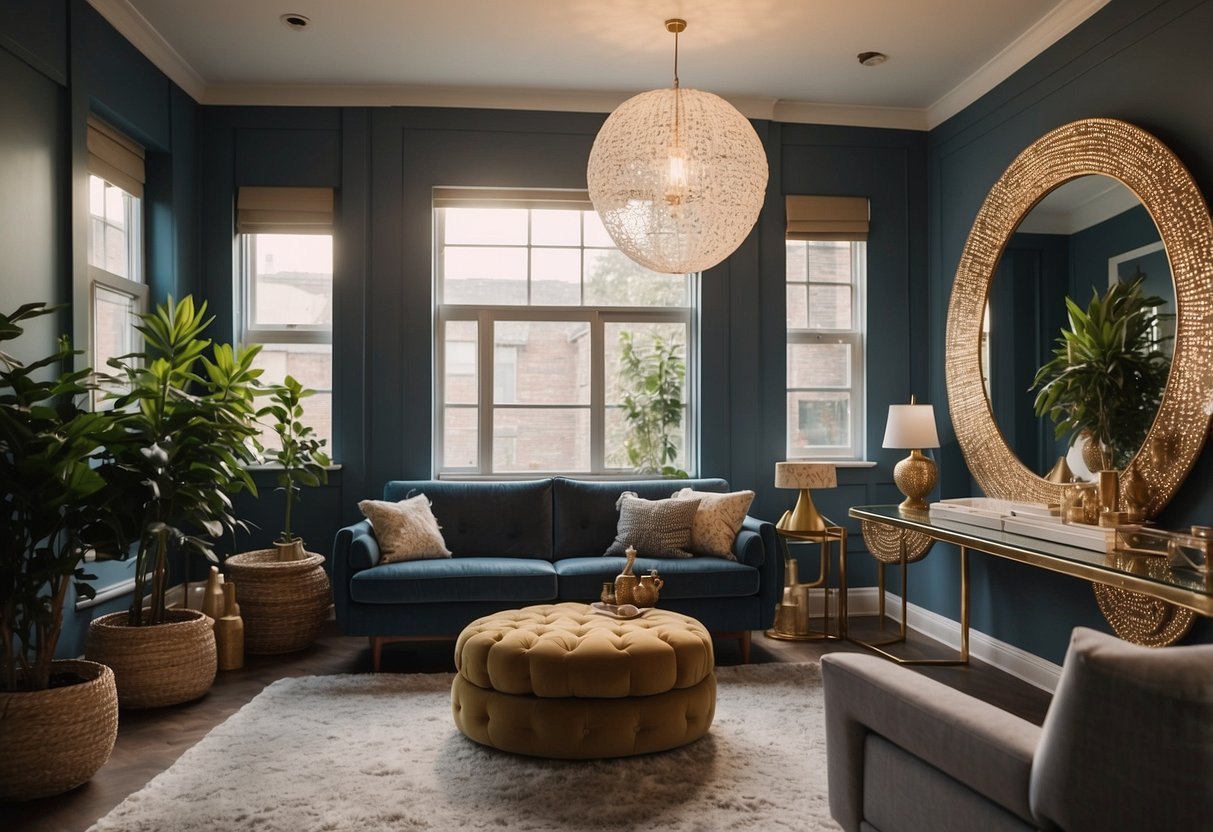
[717,521]
[654,528]
[406,530]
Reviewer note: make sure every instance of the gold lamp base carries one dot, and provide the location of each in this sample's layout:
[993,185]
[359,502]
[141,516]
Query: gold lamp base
[915,476]
[804,517]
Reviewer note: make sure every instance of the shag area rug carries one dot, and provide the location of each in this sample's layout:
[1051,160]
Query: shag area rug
[380,752]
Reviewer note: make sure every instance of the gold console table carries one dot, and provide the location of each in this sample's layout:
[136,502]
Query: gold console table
[1174,595]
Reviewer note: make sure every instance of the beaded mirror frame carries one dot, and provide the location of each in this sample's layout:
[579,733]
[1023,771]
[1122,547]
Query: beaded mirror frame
[1155,175]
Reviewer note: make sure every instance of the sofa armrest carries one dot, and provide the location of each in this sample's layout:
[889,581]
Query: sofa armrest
[757,546]
[983,747]
[354,549]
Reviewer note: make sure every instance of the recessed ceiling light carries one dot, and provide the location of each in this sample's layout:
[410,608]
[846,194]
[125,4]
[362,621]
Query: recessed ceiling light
[872,58]
[298,22]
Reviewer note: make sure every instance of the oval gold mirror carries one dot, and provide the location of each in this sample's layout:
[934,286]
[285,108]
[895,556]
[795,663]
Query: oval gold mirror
[1163,185]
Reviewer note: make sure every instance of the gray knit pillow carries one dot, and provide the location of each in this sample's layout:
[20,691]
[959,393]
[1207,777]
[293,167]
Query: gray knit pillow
[654,528]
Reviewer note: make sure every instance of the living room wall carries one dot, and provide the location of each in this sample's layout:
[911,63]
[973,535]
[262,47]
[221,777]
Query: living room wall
[1143,62]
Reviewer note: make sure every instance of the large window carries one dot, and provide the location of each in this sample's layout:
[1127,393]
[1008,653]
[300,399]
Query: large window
[826,275]
[555,352]
[286,291]
[117,292]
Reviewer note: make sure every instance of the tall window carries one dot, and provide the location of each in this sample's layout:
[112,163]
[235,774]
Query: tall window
[286,291]
[116,288]
[555,352]
[826,276]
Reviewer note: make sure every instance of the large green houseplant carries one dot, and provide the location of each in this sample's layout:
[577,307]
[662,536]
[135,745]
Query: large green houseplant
[63,714]
[1107,374]
[186,412]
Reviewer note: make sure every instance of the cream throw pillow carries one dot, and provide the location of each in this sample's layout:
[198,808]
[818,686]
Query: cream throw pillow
[406,530]
[717,521]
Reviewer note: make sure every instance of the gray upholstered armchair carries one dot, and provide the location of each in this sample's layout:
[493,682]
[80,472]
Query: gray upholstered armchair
[1127,745]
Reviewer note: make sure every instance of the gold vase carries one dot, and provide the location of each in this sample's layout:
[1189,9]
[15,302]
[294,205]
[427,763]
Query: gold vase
[626,581]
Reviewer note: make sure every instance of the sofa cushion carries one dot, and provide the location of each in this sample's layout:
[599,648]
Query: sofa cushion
[717,521]
[513,581]
[406,530]
[584,513]
[498,519]
[1146,715]
[654,528]
[581,579]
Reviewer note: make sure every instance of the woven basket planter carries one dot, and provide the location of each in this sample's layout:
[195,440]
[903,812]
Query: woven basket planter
[157,665]
[54,740]
[284,604]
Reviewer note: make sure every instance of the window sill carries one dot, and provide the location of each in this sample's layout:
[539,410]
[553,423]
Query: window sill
[838,463]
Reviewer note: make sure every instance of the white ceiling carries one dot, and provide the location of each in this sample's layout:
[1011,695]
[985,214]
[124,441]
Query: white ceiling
[791,60]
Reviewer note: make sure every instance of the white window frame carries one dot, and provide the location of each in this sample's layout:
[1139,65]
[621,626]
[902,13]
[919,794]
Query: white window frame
[856,339]
[597,317]
[269,334]
[134,287]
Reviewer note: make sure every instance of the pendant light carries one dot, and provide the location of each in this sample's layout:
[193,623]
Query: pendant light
[678,176]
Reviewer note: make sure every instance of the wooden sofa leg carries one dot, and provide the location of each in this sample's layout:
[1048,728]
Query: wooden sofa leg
[376,652]
[744,640]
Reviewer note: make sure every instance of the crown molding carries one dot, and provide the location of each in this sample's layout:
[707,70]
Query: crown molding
[143,36]
[1055,25]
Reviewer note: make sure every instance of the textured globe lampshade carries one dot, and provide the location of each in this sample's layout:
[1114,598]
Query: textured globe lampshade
[913,426]
[678,177]
[804,475]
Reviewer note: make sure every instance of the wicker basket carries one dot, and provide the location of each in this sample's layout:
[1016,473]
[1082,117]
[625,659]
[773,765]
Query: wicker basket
[157,665]
[284,603]
[54,740]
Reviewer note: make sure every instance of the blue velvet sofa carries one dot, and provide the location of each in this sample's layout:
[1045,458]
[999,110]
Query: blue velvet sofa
[514,544]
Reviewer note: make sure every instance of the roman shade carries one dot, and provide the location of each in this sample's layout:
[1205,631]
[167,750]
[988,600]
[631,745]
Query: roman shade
[827,217]
[284,210]
[512,198]
[114,157]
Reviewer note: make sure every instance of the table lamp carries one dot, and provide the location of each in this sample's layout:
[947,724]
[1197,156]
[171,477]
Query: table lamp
[912,426]
[804,475]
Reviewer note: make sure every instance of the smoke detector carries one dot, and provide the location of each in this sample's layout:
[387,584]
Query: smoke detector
[872,58]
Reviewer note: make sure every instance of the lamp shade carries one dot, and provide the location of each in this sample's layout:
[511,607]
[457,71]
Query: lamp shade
[805,475]
[678,177]
[911,426]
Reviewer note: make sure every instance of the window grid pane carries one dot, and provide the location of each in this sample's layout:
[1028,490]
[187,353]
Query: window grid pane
[544,399]
[287,283]
[825,348]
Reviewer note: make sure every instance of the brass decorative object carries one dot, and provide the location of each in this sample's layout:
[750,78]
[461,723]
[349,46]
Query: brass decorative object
[1153,173]
[1060,473]
[793,621]
[884,542]
[626,581]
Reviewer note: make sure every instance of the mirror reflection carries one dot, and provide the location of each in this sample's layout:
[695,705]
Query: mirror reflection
[1078,243]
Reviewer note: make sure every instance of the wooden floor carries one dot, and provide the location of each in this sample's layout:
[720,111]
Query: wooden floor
[150,741]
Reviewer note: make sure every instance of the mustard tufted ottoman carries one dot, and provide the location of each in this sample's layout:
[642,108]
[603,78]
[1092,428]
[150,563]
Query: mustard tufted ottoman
[561,681]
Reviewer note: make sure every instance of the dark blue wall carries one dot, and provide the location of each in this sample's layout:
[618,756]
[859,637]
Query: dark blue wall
[1133,60]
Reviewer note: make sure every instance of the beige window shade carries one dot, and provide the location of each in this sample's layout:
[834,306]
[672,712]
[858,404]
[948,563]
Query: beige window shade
[827,217]
[114,157]
[511,198]
[284,210]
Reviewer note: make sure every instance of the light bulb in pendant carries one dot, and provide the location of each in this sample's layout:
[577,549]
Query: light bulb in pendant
[676,185]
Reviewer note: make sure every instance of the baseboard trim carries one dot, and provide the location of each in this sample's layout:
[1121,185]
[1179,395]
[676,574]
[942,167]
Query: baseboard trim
[1008,658]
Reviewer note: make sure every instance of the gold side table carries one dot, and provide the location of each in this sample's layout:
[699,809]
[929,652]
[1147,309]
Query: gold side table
[890,545]
[793,620]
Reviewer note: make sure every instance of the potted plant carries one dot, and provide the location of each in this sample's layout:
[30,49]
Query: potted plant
[300,456]
[1107,373]
[58,719]
[185,409]
[284,591]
